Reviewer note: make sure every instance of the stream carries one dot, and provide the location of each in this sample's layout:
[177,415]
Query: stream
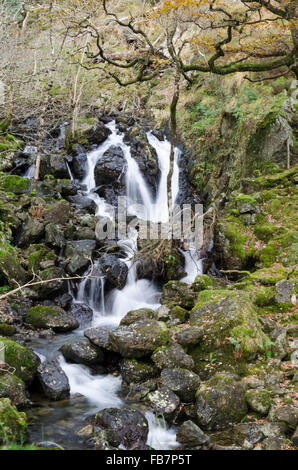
[60,421]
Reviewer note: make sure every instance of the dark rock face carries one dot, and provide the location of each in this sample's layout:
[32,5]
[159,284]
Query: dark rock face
[190,434]
[53,165]
[97,134]
[79,252]
[78,164]
[220,401]
[53,380]
[83,203]
[115,270]
[31,231]
[182,382]
[111,167]
[139,338]
[130,425]
[82,352]
[13,388]
[82,313]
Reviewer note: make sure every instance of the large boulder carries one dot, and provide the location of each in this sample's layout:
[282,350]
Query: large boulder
[31,231]
[13,388]
[130,425]
[82,313]
[182,382]
[22,361]
[53,380]
[10,268]
[99,337]
[220,401]
[14,184]
[259,401]
[82,352]
[139,339]
[56,318]
[13,428]
[53,165]
[79,252]
[97,133]
[137,315]
[111,167]
[232,331]
[115,270]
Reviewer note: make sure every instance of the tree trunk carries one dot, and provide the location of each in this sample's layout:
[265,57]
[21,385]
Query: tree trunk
[173,127]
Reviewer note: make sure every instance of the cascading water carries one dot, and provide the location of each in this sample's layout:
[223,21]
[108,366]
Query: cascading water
[101,391]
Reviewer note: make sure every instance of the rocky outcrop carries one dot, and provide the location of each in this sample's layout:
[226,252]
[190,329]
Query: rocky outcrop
[53,380]
[82,352]
[56,318]
[13,423]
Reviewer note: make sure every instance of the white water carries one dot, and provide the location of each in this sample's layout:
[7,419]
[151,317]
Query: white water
[102,391]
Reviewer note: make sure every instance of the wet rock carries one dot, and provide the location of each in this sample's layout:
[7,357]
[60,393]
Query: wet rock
[220,401]
[163,401]
[99,337]
[178,293]
[67,188]
[137,315]
[21,360]
[31,231]
[13,423]
[53,165]
[56,318]
[56,283]
[285,292]
[190,336]
[82,352]
[182,382]
[115,270]
[172,356]
[97,134]
[11,269]
[53,380]
[83,203]
[139,391]
[79,164]
[191,435]
[130,425]
[80,253]
[137,371]
[106,439]
[82,313]
[259,401]
[139,338]
[111,167]
[13,388]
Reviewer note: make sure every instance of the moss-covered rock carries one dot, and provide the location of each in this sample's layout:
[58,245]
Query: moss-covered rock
[134,371]
[15,184]
[232,331]
[10,267]
[40,257]
[178,293]
[138,315]
[13,425]
[13,388]
[220,401]
[21,359]
[259,401]
[56,318]
[7,330]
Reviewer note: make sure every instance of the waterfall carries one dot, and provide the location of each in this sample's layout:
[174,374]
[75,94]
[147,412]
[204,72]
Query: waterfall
[102,390]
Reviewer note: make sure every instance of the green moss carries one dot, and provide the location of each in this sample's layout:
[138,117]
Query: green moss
[13,425]
[14,184]
[20,358]
[180,313]
[265,296]
[268,255]
[7,330]
[208,297]
[264,232]
[38,316]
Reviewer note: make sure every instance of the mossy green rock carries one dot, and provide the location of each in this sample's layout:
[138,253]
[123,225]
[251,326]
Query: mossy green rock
[178,293]
[220,401]
[13,425]
[7,330]
[40,257]
[139,338]
[138,315]
[10,267]
[15,184]
[13,388]
[259,401]
[134,371]
[232,331]
[20,358]
[56,318]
